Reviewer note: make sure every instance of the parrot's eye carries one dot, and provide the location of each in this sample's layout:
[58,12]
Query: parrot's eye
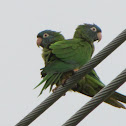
[94,29]
[45,35]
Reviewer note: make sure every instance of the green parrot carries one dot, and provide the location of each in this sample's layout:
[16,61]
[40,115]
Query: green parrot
[45,39]
[69,55]
[90,84]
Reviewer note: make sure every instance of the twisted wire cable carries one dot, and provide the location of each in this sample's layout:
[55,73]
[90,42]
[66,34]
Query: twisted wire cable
[97,100]
[73,79]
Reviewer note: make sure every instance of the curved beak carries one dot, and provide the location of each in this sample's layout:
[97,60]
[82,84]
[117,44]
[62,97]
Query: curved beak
[39,41]
[99,35]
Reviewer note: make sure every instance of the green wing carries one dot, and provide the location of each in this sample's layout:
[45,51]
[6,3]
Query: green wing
[70,54]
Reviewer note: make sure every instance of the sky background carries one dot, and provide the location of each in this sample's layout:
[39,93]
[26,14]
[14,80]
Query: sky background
[21,58]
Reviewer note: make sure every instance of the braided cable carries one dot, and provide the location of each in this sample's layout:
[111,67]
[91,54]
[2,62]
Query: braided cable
[73,79]
[96,100]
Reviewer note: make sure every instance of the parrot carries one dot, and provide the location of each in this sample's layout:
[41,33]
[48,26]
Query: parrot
[70,55]
[90,84]
[45,39]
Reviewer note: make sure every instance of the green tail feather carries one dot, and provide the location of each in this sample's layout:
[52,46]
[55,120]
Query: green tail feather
[114,103]
[119,97]
[90,86]
[44,79]
[93,81]
[50,80]
[56,80]
[114,98]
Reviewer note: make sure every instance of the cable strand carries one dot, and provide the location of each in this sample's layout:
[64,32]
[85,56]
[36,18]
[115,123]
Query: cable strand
[97,100]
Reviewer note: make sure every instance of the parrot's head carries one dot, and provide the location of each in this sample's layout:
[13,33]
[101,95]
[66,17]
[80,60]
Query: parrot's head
[88,32]
[47,37]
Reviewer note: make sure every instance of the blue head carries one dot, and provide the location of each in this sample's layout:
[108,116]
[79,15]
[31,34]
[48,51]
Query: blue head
[88,32]
[47,37]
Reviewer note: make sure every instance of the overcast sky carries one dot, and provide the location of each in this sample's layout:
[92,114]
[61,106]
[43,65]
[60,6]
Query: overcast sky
[21,58]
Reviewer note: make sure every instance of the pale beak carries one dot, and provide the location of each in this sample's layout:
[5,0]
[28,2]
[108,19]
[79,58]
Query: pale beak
[99,35]
[39,41]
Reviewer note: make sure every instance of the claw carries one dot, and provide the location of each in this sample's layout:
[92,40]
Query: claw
[53,90]
[75,70]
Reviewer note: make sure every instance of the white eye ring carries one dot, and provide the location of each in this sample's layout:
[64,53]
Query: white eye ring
[45,35]
[94,29]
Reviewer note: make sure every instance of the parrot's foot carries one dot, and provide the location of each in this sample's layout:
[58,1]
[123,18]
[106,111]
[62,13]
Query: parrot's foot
[66,77]
[63,82]
[75,70]
[53,90]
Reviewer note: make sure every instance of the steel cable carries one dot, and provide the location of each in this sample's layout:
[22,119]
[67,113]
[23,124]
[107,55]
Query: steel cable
[96,100]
